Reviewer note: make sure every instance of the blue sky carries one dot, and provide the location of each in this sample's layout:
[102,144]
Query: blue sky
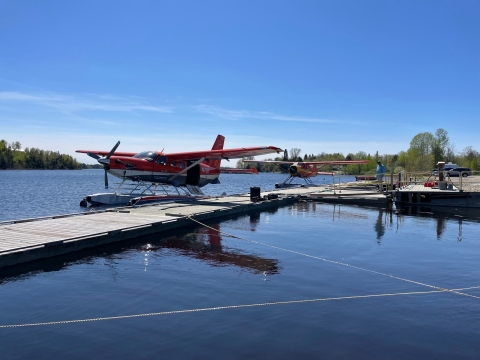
[332,76]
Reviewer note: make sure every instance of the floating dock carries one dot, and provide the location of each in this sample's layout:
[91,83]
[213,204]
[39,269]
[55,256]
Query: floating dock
[422,195]
[39,238]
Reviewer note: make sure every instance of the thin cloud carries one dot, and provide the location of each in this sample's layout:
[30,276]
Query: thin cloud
[16,96]
[84,103]
[263,115]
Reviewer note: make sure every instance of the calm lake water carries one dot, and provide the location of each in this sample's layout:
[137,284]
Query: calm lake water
[307,281]
[36,193]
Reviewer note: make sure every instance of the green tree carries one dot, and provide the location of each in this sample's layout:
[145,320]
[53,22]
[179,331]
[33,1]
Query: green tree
[439,145]
[422,143]
[295,154]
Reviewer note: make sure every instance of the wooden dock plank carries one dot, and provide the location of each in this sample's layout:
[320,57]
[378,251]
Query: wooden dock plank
[75,227]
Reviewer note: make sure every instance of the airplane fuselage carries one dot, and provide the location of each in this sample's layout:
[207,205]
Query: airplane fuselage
[157,168]
[302,170]
[190,169]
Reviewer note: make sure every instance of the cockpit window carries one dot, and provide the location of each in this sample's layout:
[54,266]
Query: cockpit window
[161,160]
[146,155]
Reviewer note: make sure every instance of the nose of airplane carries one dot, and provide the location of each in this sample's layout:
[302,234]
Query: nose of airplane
[292,170]
[104,161]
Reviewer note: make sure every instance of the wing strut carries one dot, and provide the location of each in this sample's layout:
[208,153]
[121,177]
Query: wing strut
[187,168]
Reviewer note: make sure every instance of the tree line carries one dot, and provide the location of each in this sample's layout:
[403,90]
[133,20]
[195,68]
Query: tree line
[425,151]
[13,157]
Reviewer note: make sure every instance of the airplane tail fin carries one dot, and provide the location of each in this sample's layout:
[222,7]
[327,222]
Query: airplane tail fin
[217,145]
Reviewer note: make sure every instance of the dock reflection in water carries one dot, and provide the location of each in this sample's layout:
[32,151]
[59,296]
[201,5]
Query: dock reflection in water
[443,215]
[395,218]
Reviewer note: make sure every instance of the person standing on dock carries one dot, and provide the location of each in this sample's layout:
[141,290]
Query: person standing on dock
[381,170]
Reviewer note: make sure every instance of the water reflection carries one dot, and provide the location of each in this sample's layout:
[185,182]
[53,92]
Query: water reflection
[206,244]
[380,225]
[254,221]
[446,212]
[388,217]
[444,215]
[203,244]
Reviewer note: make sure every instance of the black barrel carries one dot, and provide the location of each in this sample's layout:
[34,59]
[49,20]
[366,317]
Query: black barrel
[254,193]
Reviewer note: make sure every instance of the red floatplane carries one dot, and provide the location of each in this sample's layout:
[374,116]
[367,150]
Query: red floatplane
[303,169]
[152,169]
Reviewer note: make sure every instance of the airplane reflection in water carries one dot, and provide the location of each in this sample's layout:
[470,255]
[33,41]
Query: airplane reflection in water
[206,244]
[392,218]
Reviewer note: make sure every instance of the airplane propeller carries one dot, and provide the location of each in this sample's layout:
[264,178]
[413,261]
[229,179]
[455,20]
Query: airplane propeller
[106,179]
[105,161]
[95,156]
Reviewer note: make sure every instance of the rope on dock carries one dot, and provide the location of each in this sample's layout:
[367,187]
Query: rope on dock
[336,262]
[225,308]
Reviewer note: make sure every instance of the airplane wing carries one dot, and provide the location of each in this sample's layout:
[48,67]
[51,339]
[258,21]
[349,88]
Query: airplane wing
[225,154]
[105,153]
[334,162]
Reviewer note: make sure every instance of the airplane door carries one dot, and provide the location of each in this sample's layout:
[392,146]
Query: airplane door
[193,175]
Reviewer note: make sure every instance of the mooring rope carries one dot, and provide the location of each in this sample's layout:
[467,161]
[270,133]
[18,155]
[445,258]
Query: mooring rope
[290,302]
[334,262]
